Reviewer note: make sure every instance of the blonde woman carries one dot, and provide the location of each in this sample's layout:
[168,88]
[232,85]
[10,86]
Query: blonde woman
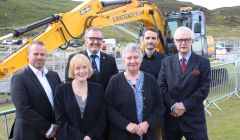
[79,104]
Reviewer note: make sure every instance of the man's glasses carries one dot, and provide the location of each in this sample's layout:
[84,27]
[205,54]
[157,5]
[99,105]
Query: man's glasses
[184,40]
[95,38]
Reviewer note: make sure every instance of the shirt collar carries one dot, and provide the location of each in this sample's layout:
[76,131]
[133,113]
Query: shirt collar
[186,57]
[152,56]
[36,71]
[89,53]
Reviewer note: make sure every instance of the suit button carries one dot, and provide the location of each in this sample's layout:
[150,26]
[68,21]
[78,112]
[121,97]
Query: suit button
[144,106]
[144,98]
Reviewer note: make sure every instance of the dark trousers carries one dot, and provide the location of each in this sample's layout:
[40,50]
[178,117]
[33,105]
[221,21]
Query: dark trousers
[178,134]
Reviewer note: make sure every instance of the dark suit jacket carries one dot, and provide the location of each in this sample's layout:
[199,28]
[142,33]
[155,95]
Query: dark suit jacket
[34,113]
[108,68]
[121,107]
[68,115]
[190,88]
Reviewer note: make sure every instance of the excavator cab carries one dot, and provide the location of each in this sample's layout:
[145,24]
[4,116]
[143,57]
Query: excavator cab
[195,20]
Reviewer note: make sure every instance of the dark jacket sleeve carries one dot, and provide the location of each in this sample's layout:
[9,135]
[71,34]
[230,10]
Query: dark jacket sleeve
[201,92]
[114,66]
[99,127]
[66,128]
[114,116]
[22,103]
[67,79]
[163,86]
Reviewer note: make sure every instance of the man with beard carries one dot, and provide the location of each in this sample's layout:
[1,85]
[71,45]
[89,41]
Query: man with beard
[152,59]
[151,62]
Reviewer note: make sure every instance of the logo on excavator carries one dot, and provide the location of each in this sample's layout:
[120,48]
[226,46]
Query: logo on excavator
[85,10]
[129,15]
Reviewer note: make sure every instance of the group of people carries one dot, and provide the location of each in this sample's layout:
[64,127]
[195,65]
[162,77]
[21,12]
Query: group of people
[156,97]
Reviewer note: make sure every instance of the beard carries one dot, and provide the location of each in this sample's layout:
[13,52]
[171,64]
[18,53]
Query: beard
[153,46]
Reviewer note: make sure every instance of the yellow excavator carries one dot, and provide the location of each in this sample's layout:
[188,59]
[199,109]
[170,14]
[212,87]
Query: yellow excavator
[64,27]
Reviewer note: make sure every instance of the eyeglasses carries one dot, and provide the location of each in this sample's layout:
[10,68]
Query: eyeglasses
[184,39]
[99,39]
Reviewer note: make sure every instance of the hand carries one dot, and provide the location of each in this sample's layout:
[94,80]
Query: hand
[53,133]
[132,128]
[178,110]
[143,128]
[86,138]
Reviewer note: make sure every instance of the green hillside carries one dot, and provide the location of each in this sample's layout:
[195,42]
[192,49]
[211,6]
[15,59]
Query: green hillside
[18,13]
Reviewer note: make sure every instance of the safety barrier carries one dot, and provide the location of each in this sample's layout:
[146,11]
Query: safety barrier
[6,120]
[224,83]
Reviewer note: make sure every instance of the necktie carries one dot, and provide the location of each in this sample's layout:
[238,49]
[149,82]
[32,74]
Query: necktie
[183,65]
[95,69]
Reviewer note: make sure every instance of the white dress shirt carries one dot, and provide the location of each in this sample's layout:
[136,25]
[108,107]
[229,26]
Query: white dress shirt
[44,82]
[46,86]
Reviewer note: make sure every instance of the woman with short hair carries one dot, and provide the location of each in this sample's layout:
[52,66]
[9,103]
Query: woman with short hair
[79,105]
[133,102]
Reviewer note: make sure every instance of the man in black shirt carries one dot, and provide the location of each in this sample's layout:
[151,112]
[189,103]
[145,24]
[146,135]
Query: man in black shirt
[151,62]
[152,59]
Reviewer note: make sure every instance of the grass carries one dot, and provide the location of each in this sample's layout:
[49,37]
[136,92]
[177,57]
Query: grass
[6,107]
[223,31]
[225,125]
[10,119]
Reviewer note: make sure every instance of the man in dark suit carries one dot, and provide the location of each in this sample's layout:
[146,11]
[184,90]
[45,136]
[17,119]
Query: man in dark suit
[104,65]
[184,81]
[32,94]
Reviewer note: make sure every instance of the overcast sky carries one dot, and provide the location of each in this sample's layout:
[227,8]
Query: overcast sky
[213,4]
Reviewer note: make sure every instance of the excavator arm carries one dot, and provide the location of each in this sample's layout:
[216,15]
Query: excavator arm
[66,26]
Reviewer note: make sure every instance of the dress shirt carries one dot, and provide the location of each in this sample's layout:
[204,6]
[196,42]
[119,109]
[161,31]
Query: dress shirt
[44,82]
[46,86]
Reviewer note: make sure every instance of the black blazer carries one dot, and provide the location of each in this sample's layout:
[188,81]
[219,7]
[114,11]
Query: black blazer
[34,113]
[121,107]
[108,68]
[68,115]
[190,88]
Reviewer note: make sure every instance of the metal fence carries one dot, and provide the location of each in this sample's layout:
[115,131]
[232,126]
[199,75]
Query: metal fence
[6,120]
[224,83]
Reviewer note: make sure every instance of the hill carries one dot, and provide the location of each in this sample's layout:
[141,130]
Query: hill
[17,13]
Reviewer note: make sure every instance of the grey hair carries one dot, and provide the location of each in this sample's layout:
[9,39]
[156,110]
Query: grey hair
[133,48]
[183,29]
[95,29]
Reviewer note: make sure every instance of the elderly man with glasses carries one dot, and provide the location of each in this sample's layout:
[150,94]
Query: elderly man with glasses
[184,82]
